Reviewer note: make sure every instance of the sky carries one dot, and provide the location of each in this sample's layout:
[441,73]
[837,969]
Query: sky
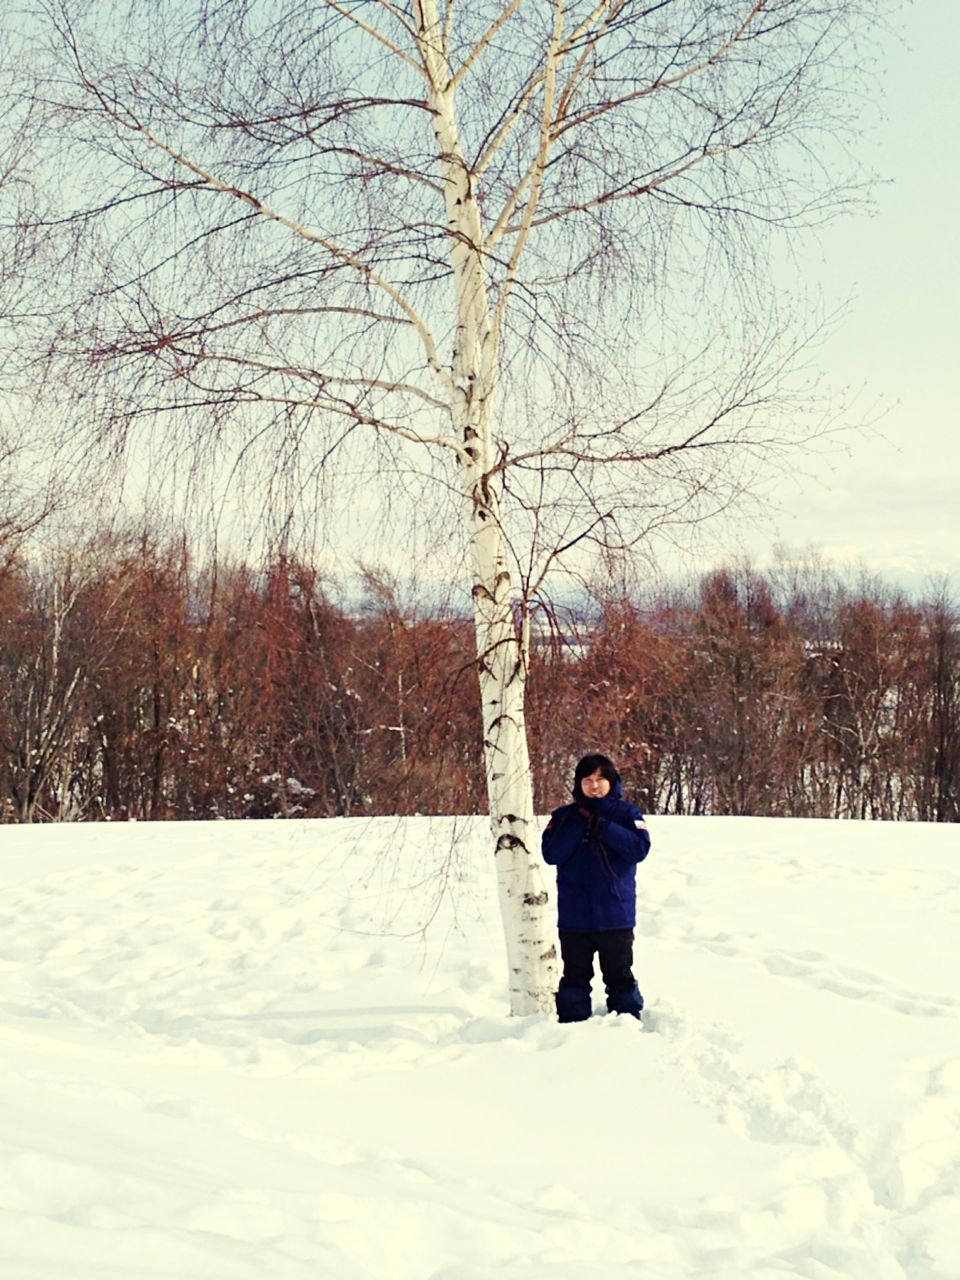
[887,496]
[882,495]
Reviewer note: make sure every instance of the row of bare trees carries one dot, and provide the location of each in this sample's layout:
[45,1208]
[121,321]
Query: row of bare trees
[753,696]
[136,684]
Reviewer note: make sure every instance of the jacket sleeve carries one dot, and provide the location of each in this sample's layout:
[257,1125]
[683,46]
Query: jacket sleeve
[623,831]
[561,836]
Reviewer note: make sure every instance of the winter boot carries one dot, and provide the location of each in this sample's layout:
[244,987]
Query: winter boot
[628,1001]
[573,1003]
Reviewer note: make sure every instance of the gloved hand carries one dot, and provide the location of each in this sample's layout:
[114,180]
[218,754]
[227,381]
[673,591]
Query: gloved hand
[591,817]
[602,806]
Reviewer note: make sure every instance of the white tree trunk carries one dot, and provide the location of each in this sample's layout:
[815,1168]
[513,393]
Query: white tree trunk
[502,660]
[501,652]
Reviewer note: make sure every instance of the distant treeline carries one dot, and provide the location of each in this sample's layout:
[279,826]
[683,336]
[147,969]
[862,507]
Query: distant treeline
[137,685]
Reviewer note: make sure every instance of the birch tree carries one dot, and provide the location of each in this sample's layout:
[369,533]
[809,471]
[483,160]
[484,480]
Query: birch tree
[525,253]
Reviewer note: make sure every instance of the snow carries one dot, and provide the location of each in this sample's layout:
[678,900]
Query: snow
[280,1049]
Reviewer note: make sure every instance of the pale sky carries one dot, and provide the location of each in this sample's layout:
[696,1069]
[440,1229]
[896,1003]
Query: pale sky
[886,497]
[890,497]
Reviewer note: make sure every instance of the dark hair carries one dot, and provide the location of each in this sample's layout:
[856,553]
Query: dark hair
[590,764]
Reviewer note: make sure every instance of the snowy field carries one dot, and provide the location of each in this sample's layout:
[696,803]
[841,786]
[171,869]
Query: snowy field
[279,1050]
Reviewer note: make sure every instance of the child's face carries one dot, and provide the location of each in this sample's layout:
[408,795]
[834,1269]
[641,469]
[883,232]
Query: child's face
[595,785]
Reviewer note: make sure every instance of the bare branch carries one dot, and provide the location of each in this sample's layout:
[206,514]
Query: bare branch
[346,409]
[259,207]
[666,82]
[323,380]
[378,35]
[534,179]
[483,43]
[632,191]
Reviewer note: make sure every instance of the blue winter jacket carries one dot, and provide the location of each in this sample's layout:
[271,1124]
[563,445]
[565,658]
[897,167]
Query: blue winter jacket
[596,869]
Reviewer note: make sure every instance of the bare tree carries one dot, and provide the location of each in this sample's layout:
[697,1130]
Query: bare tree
[26,498]
[60,643]
[520,254]
[942,740]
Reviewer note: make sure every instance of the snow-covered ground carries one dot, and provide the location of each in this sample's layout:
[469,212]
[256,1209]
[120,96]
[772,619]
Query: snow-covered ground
[280,1050]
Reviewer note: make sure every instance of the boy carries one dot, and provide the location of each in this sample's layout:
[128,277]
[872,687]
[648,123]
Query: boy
[595,844]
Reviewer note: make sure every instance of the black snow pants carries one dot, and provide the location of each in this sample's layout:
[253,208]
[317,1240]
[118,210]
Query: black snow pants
[614,948]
